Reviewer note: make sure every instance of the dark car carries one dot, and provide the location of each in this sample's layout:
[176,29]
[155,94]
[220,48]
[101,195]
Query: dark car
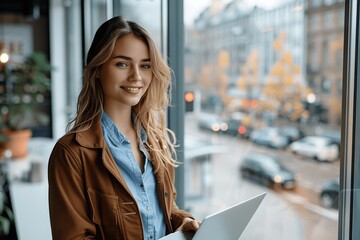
[238,128]
[239,124]
[266,170]
[212,122]
[330,194]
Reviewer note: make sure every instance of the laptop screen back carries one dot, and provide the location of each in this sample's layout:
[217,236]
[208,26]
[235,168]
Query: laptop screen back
[229,224]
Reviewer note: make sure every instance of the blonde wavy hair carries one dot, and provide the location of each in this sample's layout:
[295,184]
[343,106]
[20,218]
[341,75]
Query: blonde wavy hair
[150,111]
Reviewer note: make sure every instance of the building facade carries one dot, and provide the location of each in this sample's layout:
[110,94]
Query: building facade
[325,31]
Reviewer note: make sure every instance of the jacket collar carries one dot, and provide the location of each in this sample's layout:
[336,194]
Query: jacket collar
[92,137]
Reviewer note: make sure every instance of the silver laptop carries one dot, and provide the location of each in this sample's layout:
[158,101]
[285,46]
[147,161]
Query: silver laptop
[227,224]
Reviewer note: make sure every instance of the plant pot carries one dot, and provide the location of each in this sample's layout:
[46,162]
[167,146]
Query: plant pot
[17,143]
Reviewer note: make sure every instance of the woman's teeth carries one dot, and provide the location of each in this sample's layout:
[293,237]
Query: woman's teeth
[132,89]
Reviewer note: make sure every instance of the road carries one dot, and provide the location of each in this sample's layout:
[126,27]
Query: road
[283,214]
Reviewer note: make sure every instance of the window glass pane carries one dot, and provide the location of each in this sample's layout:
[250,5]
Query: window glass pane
[340,19]
[329,20]
[314,23]
[329,2]
[262,78]
[315,3]
[98,14]
[131,10]
[146,12]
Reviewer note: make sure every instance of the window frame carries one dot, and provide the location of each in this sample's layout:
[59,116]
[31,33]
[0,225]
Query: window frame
[350,132]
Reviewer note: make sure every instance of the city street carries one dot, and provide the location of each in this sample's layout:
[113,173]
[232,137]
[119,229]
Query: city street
[284,214]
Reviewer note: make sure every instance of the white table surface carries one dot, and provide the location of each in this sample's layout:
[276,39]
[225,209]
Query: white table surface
[30,199]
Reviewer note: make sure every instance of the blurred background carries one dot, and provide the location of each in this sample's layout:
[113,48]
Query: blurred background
[257,106]
[263,80]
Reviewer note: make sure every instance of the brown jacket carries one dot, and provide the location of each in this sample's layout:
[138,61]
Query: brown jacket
[88,197]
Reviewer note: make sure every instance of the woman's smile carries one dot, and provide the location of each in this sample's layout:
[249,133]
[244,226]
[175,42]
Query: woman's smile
[132,90]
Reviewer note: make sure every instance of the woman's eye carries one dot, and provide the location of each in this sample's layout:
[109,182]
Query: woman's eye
[121,64]
[146,66]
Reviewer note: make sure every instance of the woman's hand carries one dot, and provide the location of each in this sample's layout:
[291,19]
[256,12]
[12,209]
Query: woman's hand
[189,224]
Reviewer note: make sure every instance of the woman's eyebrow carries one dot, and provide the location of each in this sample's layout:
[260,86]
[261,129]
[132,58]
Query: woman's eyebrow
[130,59]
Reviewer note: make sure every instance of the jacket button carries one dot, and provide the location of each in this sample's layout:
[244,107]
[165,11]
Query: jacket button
[166,194]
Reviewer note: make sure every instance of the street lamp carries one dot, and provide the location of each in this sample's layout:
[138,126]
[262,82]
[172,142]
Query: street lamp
[311,99]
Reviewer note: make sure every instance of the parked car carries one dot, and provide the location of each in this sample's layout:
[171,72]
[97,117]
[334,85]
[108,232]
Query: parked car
[266,170]
[292,133]
[269,136]
[329,196]
[238,128]
[239,124]
[212,122]
[320,148]
[333,135]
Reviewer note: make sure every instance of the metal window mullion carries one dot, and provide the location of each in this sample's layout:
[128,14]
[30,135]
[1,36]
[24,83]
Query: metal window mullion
[164,28]
[175,36]
[355,178]
[348,151]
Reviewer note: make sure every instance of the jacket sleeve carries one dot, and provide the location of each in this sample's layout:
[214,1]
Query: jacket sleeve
[69,213]
[177,215]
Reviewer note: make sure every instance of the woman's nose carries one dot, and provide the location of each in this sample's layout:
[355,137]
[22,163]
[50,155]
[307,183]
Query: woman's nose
[135,75]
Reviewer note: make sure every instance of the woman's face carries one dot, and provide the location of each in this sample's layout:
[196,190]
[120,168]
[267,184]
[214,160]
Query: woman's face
[127,74]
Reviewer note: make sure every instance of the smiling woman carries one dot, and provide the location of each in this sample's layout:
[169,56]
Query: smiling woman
[126,76]
[111,176]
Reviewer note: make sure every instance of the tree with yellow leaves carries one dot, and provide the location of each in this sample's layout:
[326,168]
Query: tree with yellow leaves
[222,78]
[282,94]
[249,79]
[213,78]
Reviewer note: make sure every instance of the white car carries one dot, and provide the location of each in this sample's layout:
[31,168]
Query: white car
[321,148]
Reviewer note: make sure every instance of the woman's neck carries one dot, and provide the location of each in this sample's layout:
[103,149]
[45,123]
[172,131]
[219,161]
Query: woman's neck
[121,118]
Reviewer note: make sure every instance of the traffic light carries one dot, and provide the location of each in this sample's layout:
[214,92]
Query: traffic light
[189,98]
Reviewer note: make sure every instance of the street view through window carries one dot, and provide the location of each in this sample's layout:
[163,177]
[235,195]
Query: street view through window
[263,86]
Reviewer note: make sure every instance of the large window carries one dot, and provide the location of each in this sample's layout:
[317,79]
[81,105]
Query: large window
[289,111]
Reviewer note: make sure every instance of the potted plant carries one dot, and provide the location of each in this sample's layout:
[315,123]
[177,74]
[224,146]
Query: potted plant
[26,87]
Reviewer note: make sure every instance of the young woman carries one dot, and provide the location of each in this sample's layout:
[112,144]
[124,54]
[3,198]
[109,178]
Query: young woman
[112,175]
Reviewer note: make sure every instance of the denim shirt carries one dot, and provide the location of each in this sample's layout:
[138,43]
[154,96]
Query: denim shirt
[141,185]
